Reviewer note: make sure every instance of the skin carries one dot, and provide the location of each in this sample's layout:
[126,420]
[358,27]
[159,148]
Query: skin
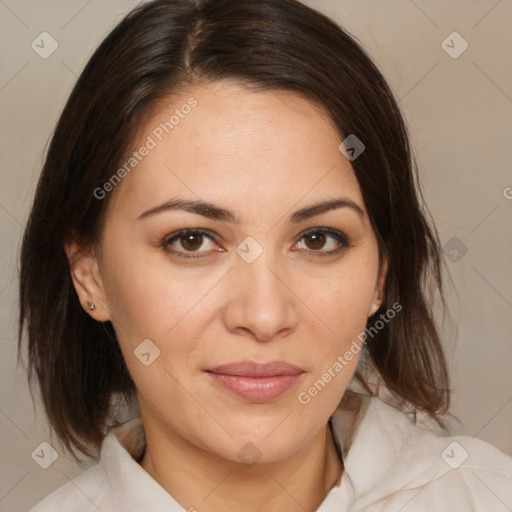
[263,156]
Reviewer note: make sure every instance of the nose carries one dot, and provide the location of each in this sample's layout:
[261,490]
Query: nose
[262,304]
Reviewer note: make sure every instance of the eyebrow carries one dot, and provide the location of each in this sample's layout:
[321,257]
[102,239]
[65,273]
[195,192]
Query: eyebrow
[211,211]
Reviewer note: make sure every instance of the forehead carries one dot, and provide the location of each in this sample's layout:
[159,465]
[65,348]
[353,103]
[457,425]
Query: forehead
[246,150]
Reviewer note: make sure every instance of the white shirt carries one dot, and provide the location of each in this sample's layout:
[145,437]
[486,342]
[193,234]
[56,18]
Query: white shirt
[390,464]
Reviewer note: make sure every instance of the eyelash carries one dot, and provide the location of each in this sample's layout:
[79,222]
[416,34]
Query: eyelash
[339,236]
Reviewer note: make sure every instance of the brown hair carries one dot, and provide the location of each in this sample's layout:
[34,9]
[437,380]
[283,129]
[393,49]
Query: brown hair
[267,45]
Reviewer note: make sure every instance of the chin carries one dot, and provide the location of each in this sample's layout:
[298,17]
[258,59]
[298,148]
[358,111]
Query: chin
[269,440]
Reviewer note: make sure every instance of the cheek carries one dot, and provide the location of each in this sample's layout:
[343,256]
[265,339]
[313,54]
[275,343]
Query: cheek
[342,305]
[345,298]
[149,300]
[146,297]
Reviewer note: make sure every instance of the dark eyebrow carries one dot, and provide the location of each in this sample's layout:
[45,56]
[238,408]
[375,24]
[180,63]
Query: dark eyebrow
[203,208]
[213,212]
[317,209]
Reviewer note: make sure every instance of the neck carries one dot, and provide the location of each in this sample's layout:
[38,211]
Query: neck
[199,480]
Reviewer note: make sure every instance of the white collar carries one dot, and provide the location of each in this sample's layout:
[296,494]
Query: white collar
[382,451]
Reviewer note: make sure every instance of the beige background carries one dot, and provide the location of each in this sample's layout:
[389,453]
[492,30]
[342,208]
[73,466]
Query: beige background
[460,116]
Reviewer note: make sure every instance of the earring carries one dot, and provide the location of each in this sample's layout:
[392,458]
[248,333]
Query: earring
[89,306]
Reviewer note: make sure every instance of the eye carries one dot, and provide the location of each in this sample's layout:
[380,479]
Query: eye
[324,242]
[186,243]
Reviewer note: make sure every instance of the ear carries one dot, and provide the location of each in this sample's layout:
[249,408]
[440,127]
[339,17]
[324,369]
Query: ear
[86,278]
[378,295]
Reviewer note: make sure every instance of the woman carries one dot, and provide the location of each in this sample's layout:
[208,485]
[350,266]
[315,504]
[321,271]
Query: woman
[227,233]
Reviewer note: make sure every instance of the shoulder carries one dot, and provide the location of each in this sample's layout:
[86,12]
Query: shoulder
[460,473]
[88,492]
[395,463]
[116,482]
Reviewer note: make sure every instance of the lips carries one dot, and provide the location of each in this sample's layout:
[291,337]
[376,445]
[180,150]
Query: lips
[256,382]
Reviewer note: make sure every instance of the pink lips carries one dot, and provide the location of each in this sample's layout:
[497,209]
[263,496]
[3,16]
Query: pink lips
[257,382]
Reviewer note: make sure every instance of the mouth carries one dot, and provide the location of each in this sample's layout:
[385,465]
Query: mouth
[256,382]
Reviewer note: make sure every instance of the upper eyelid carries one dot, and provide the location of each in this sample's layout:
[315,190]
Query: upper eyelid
[329,231]
[185,231]
[213,235]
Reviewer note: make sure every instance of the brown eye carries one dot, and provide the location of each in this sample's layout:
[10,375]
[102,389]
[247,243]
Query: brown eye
[315,241]
[192,241]
[323,242]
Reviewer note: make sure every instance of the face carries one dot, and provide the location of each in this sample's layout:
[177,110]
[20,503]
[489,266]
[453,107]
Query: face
[245,293]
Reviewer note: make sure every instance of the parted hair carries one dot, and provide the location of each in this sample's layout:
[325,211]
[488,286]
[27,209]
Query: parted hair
[158,48]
